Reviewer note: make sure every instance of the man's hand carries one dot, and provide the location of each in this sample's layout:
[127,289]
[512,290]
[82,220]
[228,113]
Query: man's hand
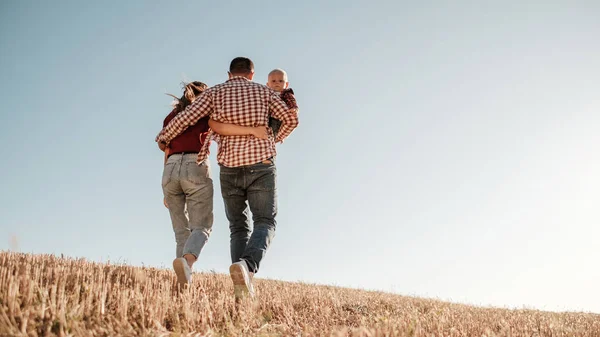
[162,145]
[260,132]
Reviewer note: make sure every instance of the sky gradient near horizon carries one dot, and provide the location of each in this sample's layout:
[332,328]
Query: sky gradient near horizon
[444,150]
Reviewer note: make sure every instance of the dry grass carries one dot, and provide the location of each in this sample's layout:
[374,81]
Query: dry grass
[42,295]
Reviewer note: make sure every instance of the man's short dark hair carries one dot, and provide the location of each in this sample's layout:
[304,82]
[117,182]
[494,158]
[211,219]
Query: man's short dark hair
[241,65]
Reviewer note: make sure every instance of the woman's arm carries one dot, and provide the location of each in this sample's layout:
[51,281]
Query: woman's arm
[227,129]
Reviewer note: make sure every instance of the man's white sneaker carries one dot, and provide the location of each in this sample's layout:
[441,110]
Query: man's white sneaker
[183,271]
[242,283]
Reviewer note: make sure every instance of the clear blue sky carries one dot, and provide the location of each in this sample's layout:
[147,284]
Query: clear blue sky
[444,150]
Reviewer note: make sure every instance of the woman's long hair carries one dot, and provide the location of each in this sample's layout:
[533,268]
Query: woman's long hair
[190,92]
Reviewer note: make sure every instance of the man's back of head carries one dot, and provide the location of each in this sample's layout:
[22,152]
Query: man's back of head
[241,66]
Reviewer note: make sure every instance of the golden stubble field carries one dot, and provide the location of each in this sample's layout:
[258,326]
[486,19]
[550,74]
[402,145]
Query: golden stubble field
[44,295]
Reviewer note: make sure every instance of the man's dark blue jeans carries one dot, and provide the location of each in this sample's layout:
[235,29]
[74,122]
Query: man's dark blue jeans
[250,187]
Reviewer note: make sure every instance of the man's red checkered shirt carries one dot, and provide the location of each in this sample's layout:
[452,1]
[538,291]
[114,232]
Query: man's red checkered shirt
[242,102]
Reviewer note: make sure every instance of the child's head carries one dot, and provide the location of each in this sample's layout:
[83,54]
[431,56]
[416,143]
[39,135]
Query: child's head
[278,80]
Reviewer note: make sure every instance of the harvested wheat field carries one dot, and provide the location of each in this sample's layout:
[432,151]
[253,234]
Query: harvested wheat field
[43,295]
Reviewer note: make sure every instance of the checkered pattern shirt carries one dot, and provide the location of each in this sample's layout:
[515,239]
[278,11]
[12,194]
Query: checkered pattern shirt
[242,102]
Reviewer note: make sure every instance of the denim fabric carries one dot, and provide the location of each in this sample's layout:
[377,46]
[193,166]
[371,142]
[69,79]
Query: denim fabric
[253,188]
[189,185]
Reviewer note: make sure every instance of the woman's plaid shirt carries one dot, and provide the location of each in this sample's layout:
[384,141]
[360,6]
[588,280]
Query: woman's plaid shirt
[242,102]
